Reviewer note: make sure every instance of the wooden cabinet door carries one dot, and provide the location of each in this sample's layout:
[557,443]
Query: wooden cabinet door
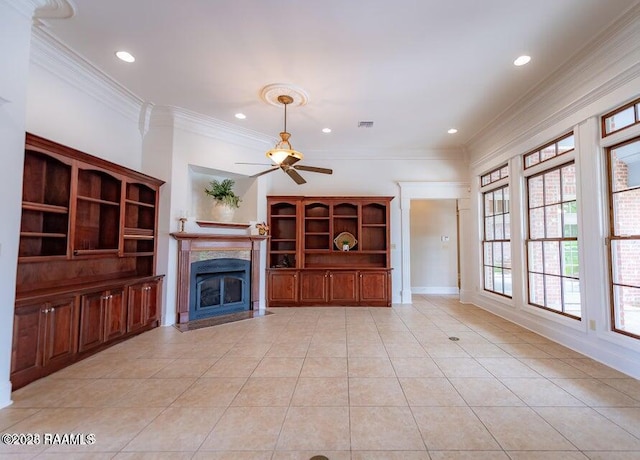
[282,287]
[91,320]
[115,314]
[343,287]
[374,288]
[151,314]
[60,332]
[313,286]
[136,306]
[28,334]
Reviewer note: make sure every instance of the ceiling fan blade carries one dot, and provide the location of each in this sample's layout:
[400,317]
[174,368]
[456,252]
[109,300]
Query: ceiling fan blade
[290,160]
[293,174]
[266,172]
[314,169]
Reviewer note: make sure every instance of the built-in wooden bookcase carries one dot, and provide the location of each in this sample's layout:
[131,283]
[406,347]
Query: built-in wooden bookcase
[140,225]
[304,229]
[97,210]
[88,240]
[283,224]
[44,227]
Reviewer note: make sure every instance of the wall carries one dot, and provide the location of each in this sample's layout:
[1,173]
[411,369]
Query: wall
[73,104]
[15,30]
[603,76]
[434,263]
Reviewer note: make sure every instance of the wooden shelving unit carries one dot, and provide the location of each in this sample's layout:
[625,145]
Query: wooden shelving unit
[87,248]
[306,266]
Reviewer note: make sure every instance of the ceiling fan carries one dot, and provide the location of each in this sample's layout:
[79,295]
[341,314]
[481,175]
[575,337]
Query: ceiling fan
[285,157]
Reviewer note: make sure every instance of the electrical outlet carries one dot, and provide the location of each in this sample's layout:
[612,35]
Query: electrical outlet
[592,324]
[444,239]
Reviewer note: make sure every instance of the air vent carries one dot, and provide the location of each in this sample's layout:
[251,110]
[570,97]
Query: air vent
[365,124]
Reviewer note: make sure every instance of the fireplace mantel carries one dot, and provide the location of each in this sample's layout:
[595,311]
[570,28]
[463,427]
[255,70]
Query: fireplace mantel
[191,243]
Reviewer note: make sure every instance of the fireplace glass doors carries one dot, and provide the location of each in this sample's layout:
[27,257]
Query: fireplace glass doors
[219,287]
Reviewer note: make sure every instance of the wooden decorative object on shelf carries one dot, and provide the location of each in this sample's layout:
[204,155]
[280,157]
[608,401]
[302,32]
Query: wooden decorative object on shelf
[306,261]
[86,261]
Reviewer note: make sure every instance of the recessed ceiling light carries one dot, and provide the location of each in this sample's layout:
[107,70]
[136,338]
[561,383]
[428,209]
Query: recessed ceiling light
[452,131]
[326,130]
[522,60]
[240,116]
[125,56]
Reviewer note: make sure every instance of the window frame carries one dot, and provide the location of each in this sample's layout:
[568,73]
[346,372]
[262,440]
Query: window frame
[543,167]
[612,233]
[617,110]
[501,184]
[554,143]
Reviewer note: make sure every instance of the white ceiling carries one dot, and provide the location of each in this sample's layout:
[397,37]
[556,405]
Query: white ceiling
[413,67]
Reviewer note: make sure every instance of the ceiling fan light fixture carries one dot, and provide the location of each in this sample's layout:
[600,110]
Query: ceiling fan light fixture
[283,148]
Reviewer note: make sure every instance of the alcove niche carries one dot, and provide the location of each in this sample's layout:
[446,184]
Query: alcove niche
[198,208]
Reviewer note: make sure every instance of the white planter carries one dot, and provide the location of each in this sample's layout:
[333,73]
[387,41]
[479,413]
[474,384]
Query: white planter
[222,213]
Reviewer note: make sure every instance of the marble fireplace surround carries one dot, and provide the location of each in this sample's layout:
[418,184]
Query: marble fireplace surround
[193,247]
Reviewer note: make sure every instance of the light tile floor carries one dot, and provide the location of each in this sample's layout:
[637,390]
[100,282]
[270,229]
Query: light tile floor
[347,383]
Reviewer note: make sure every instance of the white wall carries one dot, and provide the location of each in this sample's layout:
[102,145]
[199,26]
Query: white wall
[434,263]
[71,103]
[572,100]
[15,30]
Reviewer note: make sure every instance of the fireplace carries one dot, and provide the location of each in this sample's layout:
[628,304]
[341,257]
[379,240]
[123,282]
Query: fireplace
[219,287]
[217,274]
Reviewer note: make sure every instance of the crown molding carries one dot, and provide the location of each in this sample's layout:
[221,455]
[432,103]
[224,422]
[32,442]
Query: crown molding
[196,123]
[54,9]
[39,10]
[578,83]
[447,154]
[53,56]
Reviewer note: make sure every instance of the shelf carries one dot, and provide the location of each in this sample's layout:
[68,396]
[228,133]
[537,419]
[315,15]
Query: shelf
[42,235]
[283,240]
[340,216]
[31,206]
[283,216]
[317,218]
[137,254]
[212,224]
[41,258]
[140,203]
[283,252]
[86,252]
[98,200]
[138,237]
[317,233]
[130,232]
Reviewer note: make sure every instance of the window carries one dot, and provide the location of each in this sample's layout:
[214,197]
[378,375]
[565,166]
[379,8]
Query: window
[559,147]
[496,244]
[620,118]
[552,248]
[624,202]
[494,176]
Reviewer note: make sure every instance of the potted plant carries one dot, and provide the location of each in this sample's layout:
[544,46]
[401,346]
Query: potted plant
[225,200]
[345,245]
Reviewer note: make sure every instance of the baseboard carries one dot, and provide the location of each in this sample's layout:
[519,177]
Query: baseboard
[435,290]
[5,395]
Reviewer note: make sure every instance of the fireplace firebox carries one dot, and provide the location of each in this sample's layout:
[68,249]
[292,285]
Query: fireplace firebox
[219,287]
